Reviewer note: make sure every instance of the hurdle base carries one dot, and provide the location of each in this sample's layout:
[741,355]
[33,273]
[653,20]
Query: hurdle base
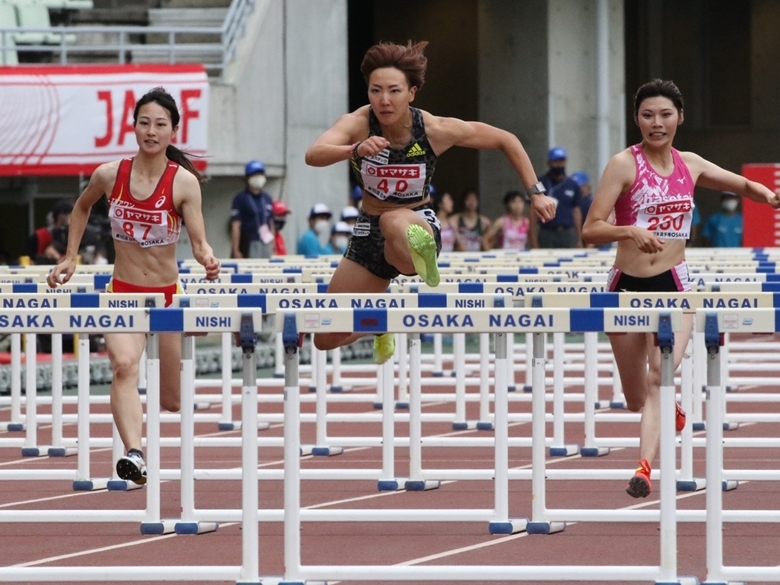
[90,485]
[508,527]
[229,426]
[62,451]
[157,528]
[699,426]
[421,485]
[122,485]
[464,426]
[545,527]
[691,485]
[485,426]
[564,451]
[600,404]
[402,406]
[616,405]
[730,426]
[594,451]
[202,406]
[723,583]
[195,527]
[278,581]
[306,450]
[511,388]
[337,389]
[13,427]
[682,580]
[390,485]
[437,374]
[35,451]
[326,451]
[729,484]
[528,388]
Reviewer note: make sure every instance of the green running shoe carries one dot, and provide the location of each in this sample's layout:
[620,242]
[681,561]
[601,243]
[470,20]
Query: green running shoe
[384,347]
[423,249]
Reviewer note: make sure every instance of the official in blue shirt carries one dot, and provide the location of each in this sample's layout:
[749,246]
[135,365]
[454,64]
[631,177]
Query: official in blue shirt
[252,216]
[724,228]
[565,229]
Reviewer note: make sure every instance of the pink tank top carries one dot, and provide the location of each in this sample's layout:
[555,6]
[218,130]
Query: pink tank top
[663,205]
[447,237]
[514,236]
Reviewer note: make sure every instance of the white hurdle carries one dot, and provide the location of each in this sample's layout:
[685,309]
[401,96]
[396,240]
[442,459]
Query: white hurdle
[539,322]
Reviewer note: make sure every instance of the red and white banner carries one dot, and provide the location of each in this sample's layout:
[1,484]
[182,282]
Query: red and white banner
[68,120]
[761,224]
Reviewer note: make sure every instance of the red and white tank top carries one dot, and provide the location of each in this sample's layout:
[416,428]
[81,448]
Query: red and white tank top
[514,235]
[663,205]
[150,222]
[447,237]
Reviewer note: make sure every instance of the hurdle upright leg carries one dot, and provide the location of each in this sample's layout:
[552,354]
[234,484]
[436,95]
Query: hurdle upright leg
[539,523]
[589,448]
[188,524]
[31,447]
[485,423]
[84,481]
[16,423]
[57,448]
[459,359]
[559,448]
[416,481]
[153,524]
[321,444]
[388,481]
[501,523]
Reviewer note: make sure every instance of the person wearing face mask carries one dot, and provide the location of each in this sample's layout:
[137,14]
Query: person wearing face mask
[724,228]
[565,230]
[340,236]
[251,217]
[316,240]
[281,211]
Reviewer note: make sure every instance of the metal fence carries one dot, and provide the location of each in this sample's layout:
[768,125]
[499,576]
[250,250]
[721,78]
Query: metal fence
[124,44]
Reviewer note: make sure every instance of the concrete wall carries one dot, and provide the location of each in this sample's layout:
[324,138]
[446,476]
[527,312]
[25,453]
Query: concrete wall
[285,87]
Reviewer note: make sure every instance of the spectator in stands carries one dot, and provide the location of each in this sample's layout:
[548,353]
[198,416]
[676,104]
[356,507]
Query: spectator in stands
[251,216]
[316,240]
[443,205]
[56,230]
[281,211]
[356,197]
[724,228]
[470,224]
[161,182]
[510,231]
[586,192]
[350,215]
[340,236]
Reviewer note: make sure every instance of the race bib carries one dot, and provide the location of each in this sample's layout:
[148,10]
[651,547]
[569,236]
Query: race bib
[145,227]
[670,219]
[393,181]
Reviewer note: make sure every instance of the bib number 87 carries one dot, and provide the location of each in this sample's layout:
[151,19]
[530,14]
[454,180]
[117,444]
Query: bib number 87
[129,229]
[665,222]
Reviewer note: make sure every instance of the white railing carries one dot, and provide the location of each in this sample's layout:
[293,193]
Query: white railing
[128,42]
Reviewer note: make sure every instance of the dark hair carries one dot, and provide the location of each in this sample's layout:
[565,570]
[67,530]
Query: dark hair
[60,208]
[408,59]
[161,97]
[513,194]
[658,88]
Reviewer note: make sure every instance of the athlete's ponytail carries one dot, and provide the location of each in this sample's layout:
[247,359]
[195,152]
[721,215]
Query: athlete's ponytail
[159,96]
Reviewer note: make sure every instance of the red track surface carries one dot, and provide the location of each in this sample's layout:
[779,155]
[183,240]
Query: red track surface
[450,543]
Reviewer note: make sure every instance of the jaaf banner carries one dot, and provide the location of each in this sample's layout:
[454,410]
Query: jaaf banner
[67,120]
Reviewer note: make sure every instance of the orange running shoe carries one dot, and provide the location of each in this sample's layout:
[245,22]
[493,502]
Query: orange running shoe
[639,486]
[679,420]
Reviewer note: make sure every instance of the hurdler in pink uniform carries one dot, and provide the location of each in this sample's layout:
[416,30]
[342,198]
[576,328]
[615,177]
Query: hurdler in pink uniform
[650,187]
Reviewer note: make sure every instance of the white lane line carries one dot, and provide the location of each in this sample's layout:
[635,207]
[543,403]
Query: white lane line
[104,549]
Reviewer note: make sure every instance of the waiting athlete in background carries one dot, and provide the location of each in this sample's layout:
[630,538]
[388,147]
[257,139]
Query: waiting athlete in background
[650,187]
[392,148]
[161,187]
